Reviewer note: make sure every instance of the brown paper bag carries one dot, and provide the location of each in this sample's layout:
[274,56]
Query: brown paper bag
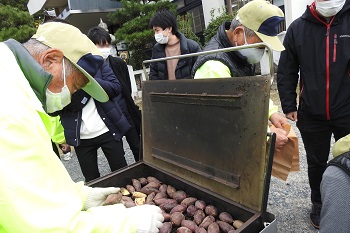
[287,159]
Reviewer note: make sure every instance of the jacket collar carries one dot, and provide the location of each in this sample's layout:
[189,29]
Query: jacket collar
[226,43]
[37,77]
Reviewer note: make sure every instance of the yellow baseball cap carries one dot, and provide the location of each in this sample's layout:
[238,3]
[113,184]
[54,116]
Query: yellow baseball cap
[263,18]
[77,48]
[341,146]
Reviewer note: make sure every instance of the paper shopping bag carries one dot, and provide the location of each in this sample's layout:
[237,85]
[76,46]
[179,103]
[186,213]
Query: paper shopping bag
[286,159]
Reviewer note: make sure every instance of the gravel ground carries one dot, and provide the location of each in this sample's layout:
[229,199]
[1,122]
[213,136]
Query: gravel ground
[289,201]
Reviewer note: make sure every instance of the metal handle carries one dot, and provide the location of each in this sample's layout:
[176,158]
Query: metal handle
[269,52]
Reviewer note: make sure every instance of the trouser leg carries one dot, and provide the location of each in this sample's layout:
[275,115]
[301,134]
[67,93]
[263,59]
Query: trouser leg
[113,151]
[87,157]
[317,145]
[133,140]
[316,136]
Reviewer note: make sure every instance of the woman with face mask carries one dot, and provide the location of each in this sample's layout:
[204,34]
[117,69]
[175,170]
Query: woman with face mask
[170,42]
[317,57]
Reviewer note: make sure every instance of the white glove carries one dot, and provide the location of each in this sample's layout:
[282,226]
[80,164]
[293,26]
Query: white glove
[147,218]
[96,196]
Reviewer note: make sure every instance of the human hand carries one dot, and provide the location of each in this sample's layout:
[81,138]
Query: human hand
[64,147]
[292,116]
[96,196]
[281,138]
[278,120]
[147,218]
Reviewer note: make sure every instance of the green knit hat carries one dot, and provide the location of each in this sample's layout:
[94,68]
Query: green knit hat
[341,146]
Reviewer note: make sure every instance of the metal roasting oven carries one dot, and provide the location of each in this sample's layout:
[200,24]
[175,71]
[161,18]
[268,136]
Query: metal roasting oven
[208,137]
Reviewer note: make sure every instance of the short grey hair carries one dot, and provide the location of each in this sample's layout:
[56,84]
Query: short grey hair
[248,32]
[35,48]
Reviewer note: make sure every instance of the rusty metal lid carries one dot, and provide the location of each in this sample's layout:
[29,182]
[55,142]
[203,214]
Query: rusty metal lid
[211,132]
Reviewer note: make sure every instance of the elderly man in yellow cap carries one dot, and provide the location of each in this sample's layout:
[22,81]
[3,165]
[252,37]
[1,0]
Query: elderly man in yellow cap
[37,193]
[257,21]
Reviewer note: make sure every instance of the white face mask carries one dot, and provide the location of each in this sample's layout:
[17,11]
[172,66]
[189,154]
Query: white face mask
[57,101]
[253,55]
[105,52]
[329,8]
[160,38]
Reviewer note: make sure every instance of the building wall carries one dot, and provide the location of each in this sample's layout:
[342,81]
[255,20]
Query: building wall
[208,6]
[85,5]
[294,9]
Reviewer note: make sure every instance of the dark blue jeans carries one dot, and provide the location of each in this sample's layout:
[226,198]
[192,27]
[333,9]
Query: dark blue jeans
[87,154]
[316,135]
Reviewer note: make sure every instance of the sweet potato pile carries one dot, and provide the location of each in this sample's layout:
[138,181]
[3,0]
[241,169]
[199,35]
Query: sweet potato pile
[182,213]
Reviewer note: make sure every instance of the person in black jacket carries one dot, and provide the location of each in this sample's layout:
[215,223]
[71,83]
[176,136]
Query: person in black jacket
[170,42]
[317,48]
[89,125]
[101,38]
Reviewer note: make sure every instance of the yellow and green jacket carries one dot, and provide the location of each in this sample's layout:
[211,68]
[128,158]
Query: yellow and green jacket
[36,192]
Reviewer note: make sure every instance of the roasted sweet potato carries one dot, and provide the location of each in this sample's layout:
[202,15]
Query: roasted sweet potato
[136,183]
[211,210]
[113,198]
[161,201]
[183,230]
[213,228]
[224,226]
[176,218]
[129,204]
[200,230]
[168,206]
[200,204]
[148,190]
[126,199]
[162,188]
[166,227]
[160,195]
[143,181]
[153,179]
[178,208]
[237,223]
[170,190]
[226,217]
[199,216]
[130,188]
[188,201]
[189,224]
[150,197]
[207,221]
[166,216]
[179,195]
[191,209]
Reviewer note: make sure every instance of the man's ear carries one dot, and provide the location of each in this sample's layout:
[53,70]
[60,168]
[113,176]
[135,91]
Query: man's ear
[237,32]
[237,35]
[50,57]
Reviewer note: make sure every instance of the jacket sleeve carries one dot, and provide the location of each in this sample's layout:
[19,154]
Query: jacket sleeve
[287,74]
[108,81]
[153,68]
